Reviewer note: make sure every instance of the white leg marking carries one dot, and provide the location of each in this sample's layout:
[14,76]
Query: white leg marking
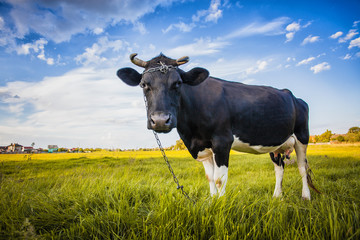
[301,159]
[220,176]
[279,173]
[206,157]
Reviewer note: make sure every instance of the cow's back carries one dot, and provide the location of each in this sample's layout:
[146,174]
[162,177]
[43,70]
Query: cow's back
[257,115]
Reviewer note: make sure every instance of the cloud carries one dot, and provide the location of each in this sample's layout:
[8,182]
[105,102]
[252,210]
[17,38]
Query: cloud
[212,14]
[199,48]
[37,47]
[336,35]
[352,33]
[2,23]
[260,66]
[355,43]
[94,54]
[79,107]
[183,27]
[238,69]
[347,57]
[292,28]
[305,61]
[274,27]
[59,20]
[289,36]
[140,27]
[356,23]
[320,67]
[98,31]
[310,39]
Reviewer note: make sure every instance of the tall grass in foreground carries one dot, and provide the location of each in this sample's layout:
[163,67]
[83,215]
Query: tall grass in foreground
[131,195]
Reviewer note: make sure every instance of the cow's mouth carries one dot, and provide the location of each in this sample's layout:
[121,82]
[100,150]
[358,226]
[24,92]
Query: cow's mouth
[161,122]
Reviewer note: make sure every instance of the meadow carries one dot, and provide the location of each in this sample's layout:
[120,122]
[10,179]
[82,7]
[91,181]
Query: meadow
[131,195]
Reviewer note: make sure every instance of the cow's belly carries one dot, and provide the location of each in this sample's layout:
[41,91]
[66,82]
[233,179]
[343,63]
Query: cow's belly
[241,146]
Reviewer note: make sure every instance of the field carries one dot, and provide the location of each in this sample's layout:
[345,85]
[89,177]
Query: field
[131,195]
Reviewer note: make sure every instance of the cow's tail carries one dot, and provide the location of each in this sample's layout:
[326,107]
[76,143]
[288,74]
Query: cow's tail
[309,179]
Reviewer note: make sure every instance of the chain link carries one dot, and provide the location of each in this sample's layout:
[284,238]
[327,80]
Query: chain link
[176,180]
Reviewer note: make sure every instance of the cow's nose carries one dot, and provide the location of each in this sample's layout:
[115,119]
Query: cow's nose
[160,121]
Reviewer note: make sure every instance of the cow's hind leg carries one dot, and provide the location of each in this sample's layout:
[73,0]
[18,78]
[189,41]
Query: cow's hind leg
[207,158]
[300,150]
[279,172]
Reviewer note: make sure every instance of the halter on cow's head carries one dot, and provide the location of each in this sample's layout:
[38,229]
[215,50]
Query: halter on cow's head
[162,83]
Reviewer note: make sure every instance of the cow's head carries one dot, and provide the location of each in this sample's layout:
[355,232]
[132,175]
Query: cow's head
[162,81]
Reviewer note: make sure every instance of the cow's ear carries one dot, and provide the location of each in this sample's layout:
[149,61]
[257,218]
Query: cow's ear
[129,76]
[195,76]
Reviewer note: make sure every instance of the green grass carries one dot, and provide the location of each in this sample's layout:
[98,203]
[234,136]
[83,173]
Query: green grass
[131,195]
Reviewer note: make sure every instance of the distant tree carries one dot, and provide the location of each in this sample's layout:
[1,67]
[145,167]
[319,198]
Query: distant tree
[179,145]
[354,130]
[325,137]
[340,138]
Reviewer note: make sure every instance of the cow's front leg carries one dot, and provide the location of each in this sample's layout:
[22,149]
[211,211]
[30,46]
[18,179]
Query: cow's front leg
[221,155]
[221,177]
[206,157]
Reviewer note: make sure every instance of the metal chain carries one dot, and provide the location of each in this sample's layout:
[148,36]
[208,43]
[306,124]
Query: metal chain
[163,68]
[176,180]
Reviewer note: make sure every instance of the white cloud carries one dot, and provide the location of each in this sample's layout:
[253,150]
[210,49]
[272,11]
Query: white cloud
[214,12]
[274,27]
[260,66]
[289,59]
[183,27]
[352,33]
[80,107]
[347,57]
[98,30]
[289,36]
[320,67]
[198,48]
[336,35]
[210,15]
[305,61]
[60,20]
[94,54]
[293,27]
[2,23]
[140,27]
[355,43]
[310,39]
[37,47]
[356,23]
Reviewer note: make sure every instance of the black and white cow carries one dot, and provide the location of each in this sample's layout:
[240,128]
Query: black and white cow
[213,116]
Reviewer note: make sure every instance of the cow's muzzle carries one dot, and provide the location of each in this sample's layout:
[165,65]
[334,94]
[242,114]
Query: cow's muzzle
[160,122]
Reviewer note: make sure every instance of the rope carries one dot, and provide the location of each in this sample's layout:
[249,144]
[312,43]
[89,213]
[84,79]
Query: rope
[176,180]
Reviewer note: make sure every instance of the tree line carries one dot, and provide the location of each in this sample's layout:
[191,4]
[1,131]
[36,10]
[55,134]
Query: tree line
[353,135]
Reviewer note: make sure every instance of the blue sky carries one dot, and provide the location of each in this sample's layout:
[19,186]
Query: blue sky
[58,62]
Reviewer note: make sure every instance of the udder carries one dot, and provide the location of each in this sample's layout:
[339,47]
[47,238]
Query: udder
[285,149]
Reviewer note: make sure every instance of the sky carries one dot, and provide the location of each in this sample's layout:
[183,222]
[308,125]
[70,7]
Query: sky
[58,62]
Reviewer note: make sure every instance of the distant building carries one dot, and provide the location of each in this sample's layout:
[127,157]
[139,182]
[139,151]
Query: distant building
[52,148]
[28,149]
[15,148]
[3,149]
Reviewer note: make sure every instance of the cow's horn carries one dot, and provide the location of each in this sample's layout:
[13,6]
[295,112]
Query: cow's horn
[137,61]
[182,60]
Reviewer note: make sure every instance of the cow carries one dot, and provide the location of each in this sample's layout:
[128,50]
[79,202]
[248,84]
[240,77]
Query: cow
[213,116]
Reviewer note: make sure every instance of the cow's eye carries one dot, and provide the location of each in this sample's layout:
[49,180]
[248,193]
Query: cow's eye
[144,85]
[177,84]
